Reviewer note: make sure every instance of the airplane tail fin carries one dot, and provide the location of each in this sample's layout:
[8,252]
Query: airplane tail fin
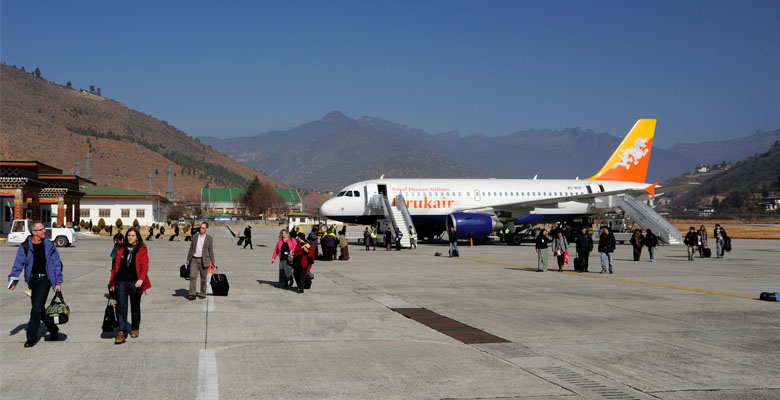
[629,161]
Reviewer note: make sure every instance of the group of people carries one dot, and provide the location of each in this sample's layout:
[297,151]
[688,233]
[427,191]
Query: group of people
[584,246]
[296,257]
[698,241]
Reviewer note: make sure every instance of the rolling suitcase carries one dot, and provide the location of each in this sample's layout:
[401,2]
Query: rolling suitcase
[157,236]
[577,264]
[455,253]
[219,284]
[240,240]
[706,252]
[171,238]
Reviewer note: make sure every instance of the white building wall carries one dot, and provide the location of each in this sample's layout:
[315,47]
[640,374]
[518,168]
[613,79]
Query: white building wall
[154,210]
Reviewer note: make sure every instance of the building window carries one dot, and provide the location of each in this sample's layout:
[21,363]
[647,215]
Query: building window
[140,213]
[84,213]
[125,213]
[104,213]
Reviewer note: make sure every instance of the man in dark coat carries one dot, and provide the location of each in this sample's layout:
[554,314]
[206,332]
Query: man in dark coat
[606,248]
[248,237]
[584,242]
[388,238]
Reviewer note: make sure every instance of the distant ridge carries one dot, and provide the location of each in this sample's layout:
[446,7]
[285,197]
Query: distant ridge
[377,146]
[44,121]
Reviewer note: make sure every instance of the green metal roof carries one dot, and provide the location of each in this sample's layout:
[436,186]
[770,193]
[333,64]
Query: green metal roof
[289,195]
[111,191]
[218,195]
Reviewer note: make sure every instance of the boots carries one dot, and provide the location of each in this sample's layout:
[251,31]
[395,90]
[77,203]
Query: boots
[120,338]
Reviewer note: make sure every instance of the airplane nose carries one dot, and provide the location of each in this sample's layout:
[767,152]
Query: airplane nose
[328,208]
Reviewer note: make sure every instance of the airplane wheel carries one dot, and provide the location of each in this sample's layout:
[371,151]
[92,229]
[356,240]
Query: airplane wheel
[515,240]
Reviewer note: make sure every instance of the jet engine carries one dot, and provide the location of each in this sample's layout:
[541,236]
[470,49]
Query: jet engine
[473,225]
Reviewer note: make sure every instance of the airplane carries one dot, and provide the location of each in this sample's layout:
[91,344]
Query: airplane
[478,207]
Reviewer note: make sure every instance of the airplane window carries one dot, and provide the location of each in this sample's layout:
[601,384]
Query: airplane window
[349,194]
[340,194]
[467,193]
[458,194]
[357,194]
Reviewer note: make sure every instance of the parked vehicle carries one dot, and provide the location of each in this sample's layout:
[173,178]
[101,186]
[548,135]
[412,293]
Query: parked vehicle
[21,229]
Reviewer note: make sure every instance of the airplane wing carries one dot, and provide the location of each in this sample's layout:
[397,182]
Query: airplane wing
[553,202]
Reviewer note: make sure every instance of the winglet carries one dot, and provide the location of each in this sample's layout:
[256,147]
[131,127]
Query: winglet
[651,189]
[629,161]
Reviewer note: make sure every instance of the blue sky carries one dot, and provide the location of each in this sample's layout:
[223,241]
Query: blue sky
[705,69]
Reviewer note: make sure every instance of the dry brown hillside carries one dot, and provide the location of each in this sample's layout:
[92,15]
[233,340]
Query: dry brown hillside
[44,121]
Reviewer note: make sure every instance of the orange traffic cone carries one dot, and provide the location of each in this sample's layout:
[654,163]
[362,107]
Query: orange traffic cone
[471,243]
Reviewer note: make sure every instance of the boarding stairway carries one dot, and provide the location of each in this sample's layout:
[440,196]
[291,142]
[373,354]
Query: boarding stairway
[647,218]
[399,217]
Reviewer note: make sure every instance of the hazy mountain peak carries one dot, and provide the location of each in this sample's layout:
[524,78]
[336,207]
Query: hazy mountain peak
[335,116]
[451,135]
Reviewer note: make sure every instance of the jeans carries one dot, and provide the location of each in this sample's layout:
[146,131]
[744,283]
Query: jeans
[691,252]
[40,288]
[123,291]
[651,250]
[604,258]
[453,246]
[583,256]
[541,258]
[720,247]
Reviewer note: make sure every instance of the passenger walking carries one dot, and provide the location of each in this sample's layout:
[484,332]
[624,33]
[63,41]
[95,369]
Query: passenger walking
[541,251]
[329,244]
[343,245]
[691,240]
[176,233]
[283,249]
[119,242]
[584,246]
[388,239]
[248,237]
[200,257]
[637,241]
[398,236]
[651,242]
[412,238]
[162,231]
[720,240]
[367,238]
[40,260]
[303,261]
[453,238]
[560,248]
[702,241]
[130,279]
[151,234]
[606,248]
[314,239]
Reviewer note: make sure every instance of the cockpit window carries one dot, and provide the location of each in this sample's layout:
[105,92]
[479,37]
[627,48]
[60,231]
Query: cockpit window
[349,193]
[341,194]
[357,194]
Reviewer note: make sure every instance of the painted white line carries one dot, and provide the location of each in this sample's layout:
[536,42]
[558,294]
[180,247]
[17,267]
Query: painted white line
[208,380]
[209,304]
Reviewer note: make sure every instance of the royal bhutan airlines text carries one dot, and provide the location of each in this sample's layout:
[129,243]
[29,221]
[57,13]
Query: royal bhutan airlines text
[425,202]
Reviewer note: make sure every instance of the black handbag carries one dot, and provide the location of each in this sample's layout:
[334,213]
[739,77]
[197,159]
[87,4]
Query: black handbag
[110,321]
[184,271]
[57,312]
[219,283]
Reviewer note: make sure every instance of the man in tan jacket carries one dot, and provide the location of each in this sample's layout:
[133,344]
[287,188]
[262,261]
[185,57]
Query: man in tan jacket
[199,258]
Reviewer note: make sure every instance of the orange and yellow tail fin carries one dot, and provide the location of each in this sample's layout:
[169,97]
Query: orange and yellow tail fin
[629,162]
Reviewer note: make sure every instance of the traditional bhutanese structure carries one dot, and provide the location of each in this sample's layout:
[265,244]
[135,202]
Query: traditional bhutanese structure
[34,190]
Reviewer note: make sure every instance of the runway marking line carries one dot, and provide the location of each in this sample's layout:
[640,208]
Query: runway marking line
[612,278]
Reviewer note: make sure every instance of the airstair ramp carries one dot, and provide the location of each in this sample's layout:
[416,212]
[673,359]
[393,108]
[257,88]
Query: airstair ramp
[647,218]
[396,218]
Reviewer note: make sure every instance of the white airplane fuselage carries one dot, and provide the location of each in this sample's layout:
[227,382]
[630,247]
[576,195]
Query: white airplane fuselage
[430,201]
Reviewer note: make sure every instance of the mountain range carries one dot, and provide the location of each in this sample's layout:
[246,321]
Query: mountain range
[57,125]
[336,150]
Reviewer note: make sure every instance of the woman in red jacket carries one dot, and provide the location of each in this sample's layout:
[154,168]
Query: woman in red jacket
[302,261]
[129,279]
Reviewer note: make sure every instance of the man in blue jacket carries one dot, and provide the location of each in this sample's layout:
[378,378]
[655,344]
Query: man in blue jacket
[39,259]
